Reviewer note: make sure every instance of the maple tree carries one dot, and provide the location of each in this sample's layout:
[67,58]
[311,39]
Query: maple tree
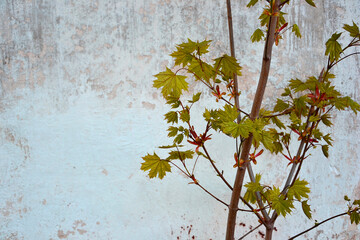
[297,118]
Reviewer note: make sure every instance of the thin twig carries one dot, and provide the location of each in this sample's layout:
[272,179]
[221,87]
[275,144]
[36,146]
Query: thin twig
[197,183]
[216,169]
[250,231]
[318,224]
[333,64]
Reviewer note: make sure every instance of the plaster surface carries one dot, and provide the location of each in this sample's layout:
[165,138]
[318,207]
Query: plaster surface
[78,111]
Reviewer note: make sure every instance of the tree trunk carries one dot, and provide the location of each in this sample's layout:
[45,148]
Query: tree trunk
[239,179]
[269,231]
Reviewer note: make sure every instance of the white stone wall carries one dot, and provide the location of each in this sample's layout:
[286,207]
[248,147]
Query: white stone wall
[77,112]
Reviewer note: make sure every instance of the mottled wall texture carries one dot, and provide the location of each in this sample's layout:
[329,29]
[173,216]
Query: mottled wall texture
[77,112]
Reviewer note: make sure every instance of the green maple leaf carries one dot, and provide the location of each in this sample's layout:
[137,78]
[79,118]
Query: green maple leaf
[295,29]
[298,190]
[257,35]
[172,131]
[156,166]
[252,188]
[353,30]
[181,155]
[306,209]
[228,114]
[355,217]
[201,69]
[171,117]
[333,47]
[235,130]
[171,83]
[325,150]
[227,65]
[251,3]
[311,3]
[280,105]
[281,205]
[195,98]
[185,51]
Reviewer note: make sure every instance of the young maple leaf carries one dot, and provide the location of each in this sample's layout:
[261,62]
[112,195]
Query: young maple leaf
[198,140]
[155,165]
[218,94]
[171,83]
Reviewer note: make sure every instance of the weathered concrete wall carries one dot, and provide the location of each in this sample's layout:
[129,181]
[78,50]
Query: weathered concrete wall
[77,112]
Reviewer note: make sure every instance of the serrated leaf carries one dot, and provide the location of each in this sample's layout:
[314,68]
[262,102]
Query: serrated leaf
[355,217]
[325,150]
[171,117]
[257,36]
[295,29]
[306,209]
[278,123]
[280,105]
[179,138]
[182,56]
[252,188]
[298,190]
[185,51]
[195,97]
[311,3]
[286,92]
[264,18]
[251,3]
[228,114]
[172,100]
[300,105]
[172,131]
[201,70]
[236,130]
[328,139]
[314,118]
[267,141]
[343,102]
[297,85]
[181,155]
[156,166]
[346,198]
[228,66]
[353,30]
[171,83]
[281,205]
[185,116]
[333,47]
[326,120]
[294,119]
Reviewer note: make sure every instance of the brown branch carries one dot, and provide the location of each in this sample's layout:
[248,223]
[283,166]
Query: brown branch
[216,169]
[264,74]
[318,224]
[197,183]
[250,231]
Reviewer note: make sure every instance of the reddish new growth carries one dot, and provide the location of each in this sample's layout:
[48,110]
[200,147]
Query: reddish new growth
[252,157]
[230,86]
[303,134]
[292,160]
[277,33]
[199,140]
[218,94]
[318,97]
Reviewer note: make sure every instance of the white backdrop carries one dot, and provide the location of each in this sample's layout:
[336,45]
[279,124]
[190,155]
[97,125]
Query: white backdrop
[77,112]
